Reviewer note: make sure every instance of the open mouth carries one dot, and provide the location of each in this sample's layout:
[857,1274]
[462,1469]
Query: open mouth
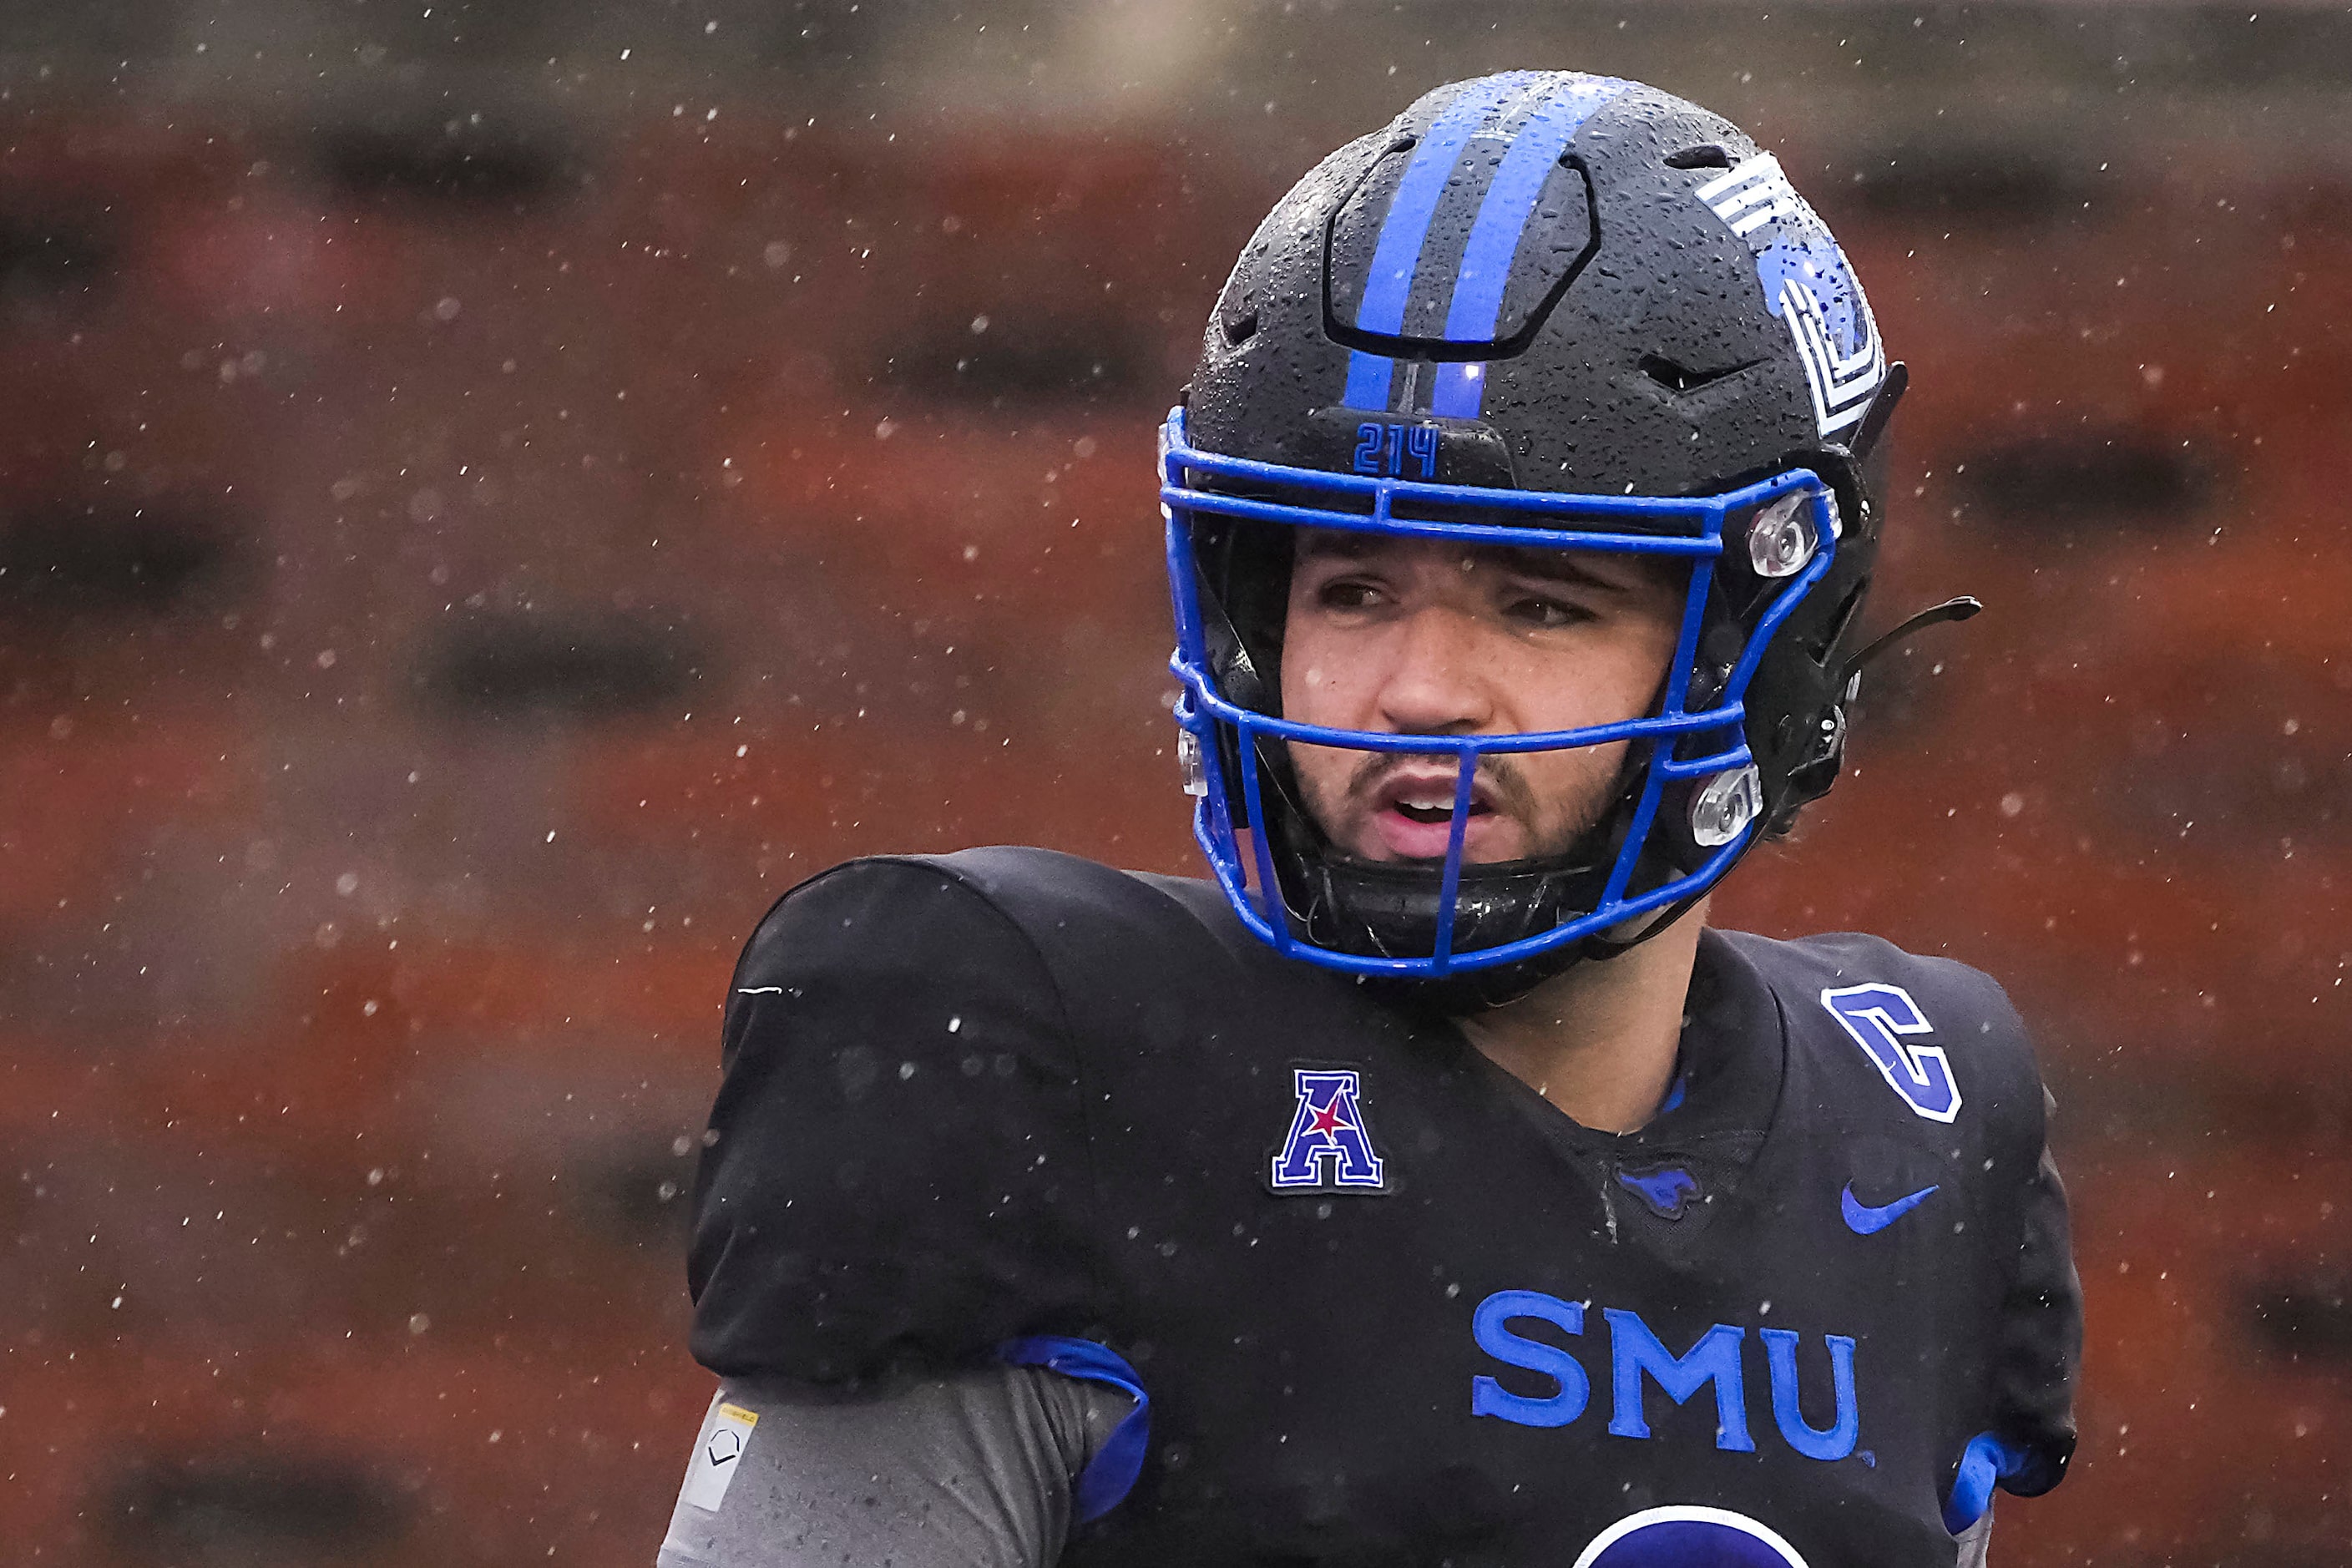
[1425,799]
[1407,813]
[1428,812]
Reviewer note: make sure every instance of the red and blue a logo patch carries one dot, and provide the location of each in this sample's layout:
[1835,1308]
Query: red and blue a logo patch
[1329,1149]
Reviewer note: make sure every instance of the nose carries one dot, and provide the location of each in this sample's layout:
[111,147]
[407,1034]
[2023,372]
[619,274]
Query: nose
[1431,685]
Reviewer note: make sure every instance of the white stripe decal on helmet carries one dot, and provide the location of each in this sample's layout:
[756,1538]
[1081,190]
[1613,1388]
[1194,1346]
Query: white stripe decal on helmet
[1808,284]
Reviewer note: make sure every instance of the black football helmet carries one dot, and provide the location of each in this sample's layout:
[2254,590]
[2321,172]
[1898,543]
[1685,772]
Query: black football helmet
[1550,309]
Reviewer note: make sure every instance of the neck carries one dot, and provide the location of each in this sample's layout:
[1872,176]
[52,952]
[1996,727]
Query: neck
[1599,1040]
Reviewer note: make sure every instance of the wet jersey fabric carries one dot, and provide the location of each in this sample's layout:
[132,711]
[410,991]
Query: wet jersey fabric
[1389,1305]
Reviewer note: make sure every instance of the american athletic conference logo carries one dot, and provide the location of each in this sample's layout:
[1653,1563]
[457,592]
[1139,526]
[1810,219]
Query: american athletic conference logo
[1329,1148]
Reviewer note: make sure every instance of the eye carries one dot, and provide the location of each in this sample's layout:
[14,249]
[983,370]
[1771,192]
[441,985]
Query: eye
[1347,593]
[1545,611]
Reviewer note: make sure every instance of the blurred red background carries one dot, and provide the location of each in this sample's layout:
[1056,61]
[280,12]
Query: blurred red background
[473,531]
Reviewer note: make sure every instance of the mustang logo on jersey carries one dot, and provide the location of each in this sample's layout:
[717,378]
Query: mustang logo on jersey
[1637,1357]
[1667,1189]
[1328,1149]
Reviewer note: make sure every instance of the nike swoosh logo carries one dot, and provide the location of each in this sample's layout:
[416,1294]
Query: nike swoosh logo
[1863,1220]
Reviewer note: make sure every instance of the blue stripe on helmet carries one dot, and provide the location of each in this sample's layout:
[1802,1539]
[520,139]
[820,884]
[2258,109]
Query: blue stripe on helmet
[1368,380]
[1397,253]
[1502,221]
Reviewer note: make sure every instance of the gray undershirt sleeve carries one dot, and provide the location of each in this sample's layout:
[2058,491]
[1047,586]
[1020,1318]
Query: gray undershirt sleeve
[1974,1540]
[969,1471]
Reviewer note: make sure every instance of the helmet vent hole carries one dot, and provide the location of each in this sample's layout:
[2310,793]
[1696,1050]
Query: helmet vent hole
[1706,155]
[1680,378]
[1240,328]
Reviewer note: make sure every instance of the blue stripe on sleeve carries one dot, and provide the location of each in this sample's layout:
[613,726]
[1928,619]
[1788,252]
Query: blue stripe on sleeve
[1987,1459]
[1111,1474]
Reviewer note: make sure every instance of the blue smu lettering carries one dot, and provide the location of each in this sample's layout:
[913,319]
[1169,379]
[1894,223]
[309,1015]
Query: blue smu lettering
[1327,1135]
[1634,1351]
[1845,1426]
[1637,1357]
[1490,1325]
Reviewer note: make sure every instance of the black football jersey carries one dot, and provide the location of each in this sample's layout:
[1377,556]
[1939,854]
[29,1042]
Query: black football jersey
[1388,1305]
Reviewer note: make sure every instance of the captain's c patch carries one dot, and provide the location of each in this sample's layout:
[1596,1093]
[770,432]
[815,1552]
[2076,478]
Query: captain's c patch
[1880,1018]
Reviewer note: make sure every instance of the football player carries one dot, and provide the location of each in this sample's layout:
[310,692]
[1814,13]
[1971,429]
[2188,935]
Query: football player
[1432,1185]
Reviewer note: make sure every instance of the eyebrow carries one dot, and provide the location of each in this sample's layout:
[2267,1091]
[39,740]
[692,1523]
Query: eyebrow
[1555,566]
[1527,560]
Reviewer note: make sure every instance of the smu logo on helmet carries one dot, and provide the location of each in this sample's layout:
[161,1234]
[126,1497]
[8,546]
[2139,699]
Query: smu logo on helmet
[1808,284]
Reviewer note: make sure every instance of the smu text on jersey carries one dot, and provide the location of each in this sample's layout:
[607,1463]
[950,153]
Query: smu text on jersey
[1639,1360]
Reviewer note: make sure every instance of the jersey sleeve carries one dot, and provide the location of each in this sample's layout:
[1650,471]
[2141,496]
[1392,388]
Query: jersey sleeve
[2014,1422]
[2040,1338]
[894,1174]
[2037,1342]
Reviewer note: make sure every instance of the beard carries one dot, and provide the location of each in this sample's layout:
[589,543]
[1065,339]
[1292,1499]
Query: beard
[1551,828]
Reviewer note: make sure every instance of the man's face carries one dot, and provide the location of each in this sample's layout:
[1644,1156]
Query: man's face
[1422,637]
